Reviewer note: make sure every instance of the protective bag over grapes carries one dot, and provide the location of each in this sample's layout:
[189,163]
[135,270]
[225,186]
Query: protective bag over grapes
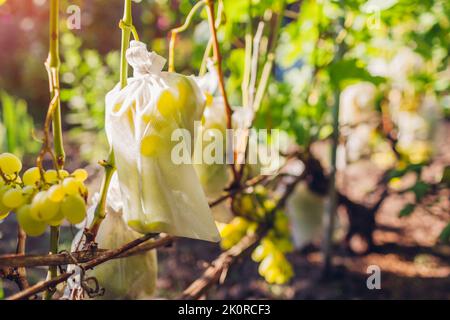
[146,122]
[305,210]
[126,278]
[213,171]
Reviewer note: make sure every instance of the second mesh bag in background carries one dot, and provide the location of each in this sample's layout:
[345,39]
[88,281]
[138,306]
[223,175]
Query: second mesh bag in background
[132,277]
[147,123]
[213,171]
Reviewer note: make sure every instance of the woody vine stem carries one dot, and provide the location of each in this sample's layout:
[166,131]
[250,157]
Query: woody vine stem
[54,112]
[126,24]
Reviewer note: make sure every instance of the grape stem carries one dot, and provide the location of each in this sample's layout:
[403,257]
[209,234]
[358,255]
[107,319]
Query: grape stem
[218,61]
[126,24]
[175,31]
[207,53]
[52,65]
[52,270]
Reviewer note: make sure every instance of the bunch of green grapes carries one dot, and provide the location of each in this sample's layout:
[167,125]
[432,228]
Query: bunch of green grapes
[273,265]
[234,231]
[249,211]
[254,205]
[255,208]
[41,198]
[270,253]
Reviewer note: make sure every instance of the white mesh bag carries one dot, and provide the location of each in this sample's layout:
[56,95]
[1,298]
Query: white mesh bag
[160,189]
[213,171]
[126,278]
[305,211]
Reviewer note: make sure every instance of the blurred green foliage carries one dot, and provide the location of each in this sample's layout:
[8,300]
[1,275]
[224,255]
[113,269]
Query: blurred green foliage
[86,77]
[16,126]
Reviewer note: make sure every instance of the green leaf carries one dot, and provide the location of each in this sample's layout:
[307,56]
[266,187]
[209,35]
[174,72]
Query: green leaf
[445,234]
[344,72]
[407,210]
[420,189]
[397,173]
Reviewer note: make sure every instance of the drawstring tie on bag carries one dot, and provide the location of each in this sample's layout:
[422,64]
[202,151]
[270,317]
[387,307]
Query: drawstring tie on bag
[142,61]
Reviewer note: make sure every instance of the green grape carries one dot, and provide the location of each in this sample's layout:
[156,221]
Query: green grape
[281,222]
[271,274]
[31,176]
[28,190]
[56,193]
[275,268]
[240,223]
[42,208]
[51,176]
[80,175]
[74,208]
[246,204]
[259,253]
[233,232]
[269,204]
[227,243]
[227,231]
[29,225]
[13,198]
[266,264]
[4,215]
[3,208]
[260,190]
[167,104]
[72,186]
[283,244]
[10,164]
[63,173]
[56,220]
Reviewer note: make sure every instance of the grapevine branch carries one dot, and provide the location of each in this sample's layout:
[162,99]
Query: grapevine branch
[21,280]
[14,260]
[17,274]
[206,54]
[97,260]
[218,60]
[54,112]
[218,268]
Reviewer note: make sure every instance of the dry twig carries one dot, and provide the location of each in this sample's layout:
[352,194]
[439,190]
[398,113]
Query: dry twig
[103,257]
